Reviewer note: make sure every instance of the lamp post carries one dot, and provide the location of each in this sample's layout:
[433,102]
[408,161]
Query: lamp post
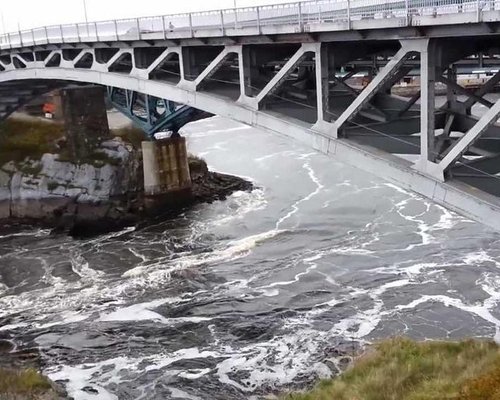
[86,16]
[235,15]
[4,29]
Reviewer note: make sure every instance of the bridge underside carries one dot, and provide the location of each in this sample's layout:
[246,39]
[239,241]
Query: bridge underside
[339,96]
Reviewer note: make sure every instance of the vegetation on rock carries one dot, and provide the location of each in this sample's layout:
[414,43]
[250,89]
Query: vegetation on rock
[25,384]
[402,369]
[21,139]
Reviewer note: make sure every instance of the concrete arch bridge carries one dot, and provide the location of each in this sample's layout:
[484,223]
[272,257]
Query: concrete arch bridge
[322,72]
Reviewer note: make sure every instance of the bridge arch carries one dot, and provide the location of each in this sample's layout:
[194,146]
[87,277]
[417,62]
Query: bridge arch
[200,100]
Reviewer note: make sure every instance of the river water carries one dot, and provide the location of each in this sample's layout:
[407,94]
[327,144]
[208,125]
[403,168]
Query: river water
[264,292]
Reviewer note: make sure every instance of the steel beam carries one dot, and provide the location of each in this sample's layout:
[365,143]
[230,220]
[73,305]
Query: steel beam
[454,154]
[486,88]
[284,72]
[455,86]
[366,95]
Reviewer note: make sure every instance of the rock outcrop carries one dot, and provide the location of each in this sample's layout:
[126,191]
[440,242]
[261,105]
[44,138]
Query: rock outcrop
[97,195]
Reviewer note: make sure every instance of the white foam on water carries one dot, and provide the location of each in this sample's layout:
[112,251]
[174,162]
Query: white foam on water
[76,379]
[290,358]
[232,251]
[482,310]
[34,233]
[365,321]
[218,132]
[81,267]
[285,153]
[246,202]
[413,271]
[479,257]
[295,206]
[180,394]
[101,374]
[143,312]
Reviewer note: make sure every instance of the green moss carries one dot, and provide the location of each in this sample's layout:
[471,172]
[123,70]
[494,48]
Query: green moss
[24,382]
[21,139]
[402,369]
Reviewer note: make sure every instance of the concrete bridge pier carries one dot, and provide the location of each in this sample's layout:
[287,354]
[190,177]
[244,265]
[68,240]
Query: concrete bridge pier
[85,119]
[167,179]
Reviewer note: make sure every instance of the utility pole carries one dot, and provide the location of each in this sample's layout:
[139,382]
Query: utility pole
[235,15]
[4,29]
[86,16]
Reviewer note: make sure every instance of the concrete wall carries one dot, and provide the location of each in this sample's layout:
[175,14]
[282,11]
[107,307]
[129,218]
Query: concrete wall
[166,167]
[85,119]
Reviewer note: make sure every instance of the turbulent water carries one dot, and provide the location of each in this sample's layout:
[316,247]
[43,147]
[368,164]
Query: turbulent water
[264,292]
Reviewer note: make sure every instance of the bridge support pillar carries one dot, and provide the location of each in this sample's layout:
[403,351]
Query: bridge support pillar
[166,169]
[85,119]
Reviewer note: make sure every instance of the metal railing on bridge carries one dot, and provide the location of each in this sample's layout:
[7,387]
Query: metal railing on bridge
[302,16]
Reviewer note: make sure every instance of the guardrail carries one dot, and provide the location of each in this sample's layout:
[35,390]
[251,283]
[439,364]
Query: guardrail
[249,20]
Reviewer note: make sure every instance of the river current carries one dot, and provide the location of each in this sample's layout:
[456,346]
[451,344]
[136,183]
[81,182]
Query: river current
[264,292]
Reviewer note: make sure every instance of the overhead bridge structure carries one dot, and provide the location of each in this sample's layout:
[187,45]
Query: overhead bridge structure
[294,69]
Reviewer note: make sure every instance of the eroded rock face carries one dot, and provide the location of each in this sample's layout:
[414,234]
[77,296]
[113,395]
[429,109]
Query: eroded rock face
[102,194]
[50,187]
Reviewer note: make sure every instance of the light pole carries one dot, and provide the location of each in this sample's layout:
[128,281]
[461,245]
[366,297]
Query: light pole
[235,15]
[4,29]
[3,22]
[86,16]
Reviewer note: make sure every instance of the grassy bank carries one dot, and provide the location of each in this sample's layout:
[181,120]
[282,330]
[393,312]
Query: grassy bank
[25,384]
[401,369]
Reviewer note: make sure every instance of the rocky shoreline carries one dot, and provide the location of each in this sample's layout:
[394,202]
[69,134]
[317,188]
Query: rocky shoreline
[100,194]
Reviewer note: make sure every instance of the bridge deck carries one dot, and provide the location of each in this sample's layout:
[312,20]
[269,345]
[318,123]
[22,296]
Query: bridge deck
[310,17]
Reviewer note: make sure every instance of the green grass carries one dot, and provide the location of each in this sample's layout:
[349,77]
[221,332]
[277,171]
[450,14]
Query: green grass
[401,369]
[25,382]
[21,139]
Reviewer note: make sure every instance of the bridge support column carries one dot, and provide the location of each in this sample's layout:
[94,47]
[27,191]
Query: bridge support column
[429,56]
[166,170]
[323,87]
[85,119]
[427,104]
